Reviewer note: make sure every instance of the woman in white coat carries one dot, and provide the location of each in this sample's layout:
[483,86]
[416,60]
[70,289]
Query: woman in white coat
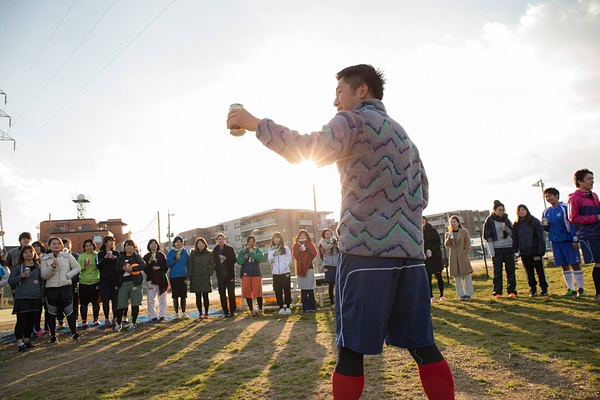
[280,257]
[57,268]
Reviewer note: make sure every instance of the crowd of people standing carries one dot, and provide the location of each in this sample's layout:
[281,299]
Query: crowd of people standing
[55,280]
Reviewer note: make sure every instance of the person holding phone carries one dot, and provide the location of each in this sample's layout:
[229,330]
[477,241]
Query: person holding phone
[29,288]
[58,268]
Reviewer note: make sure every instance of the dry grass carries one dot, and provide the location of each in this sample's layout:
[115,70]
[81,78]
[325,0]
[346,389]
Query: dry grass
[545,348]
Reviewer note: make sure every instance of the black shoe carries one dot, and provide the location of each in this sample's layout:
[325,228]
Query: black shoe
[226,315]
[533,294]
[53,340]
[29,345]
[76,337]
[544,294]
[21,348]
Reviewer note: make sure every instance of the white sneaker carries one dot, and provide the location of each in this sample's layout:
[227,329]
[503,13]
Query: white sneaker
[117,328]
[177,315]
[184,316]
[288,311]
[131,327]
[281,311]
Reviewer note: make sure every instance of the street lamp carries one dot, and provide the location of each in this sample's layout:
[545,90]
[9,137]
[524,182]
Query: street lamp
[169,235]
[540,184]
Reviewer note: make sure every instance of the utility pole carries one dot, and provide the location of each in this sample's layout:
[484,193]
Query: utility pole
[3,135]
[169,234]
[158,218]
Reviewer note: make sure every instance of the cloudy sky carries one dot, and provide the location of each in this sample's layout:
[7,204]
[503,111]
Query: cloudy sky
[126,102]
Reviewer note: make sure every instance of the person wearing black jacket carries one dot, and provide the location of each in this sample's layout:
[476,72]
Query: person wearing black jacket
[529,243]
[225,259]
[434,261]
[109,280]
[129,267]
[156,279]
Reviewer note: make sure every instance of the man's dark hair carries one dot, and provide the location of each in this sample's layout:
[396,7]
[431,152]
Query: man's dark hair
[553,191]
[25,235]
[364,74]
[579,175]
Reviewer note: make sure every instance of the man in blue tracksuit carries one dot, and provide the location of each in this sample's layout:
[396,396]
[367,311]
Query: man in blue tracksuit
[561,232]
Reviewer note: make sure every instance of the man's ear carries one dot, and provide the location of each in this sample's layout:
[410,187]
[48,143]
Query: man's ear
[363,91]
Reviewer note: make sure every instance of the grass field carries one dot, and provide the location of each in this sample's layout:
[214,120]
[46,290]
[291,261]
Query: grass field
[540,348]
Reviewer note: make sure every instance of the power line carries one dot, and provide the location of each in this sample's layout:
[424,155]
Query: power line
[97,74]
[12,10]
[43,48]
[66,61]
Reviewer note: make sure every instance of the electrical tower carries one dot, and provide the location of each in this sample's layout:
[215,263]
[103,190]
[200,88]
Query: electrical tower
[3,135]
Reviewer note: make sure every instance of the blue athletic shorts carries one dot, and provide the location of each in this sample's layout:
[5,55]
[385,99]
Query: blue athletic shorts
[591,250]
[565,254]
[382,300]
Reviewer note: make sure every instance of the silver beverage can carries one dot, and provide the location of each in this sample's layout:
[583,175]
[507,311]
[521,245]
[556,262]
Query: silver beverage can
[236,131]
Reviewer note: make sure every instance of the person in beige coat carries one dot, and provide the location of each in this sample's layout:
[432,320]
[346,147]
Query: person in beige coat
[458,241]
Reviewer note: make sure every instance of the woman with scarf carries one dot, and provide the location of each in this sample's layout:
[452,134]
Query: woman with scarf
[89,283]
[529,243]
[156,279]
[249,258]
[497,229]
[177,262]
[433,261]
[329,254]
[200,267]
[129,267]
[58,268]
[304,252]
[458,241]
[280,257]
[29,288]
[109,280]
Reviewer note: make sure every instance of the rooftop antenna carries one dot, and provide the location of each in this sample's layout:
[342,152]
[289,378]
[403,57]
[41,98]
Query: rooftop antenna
[81,200]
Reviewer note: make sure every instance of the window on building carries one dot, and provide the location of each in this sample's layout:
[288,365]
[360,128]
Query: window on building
[236,225]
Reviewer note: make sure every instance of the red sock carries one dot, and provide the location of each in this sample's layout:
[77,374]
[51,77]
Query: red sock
[347,387]
[437,381]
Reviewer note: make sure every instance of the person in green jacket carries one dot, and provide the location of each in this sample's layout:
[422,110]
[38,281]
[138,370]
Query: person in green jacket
[249,258]
[200,267]
[89,283]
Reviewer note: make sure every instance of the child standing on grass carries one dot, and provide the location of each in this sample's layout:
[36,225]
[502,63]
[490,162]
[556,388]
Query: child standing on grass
[280,258]
[458,241]
[304,252]
[249,258]
[565,246]
[29,287]
[200,267]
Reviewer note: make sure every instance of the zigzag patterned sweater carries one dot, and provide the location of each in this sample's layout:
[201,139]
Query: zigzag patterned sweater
[384,185]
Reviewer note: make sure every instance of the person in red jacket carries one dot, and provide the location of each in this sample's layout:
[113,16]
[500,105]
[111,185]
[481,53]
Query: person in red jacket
[584,213]
[304,252]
